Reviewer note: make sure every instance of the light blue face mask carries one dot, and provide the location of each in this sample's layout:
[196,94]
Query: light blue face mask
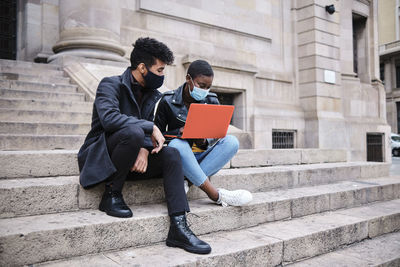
[198,93]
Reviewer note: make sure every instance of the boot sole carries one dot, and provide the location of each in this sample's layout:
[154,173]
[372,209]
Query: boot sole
[174,244]
[115,215]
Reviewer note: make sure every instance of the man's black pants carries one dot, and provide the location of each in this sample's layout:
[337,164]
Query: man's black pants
[123,147]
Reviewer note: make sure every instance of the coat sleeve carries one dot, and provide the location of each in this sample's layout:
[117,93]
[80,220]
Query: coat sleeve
[107,106]
[161,118]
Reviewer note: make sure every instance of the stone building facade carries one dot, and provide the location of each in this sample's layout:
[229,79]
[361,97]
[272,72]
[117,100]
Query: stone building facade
[389,53]
[294,71]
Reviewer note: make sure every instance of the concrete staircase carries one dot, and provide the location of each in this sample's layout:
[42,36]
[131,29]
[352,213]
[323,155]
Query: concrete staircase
[311,207]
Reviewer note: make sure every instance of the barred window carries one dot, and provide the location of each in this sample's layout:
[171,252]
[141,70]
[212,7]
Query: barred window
[283,139]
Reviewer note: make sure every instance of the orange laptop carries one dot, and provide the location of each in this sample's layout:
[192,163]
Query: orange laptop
[207,121]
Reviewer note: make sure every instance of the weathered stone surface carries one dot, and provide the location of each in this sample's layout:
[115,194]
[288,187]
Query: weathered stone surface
[40,142]
[37,104]
[252,158]
[34,78]
[381,220]
[27,94]
[44,116]
[302,238]
[309,156]
[42,128]
[239,248]
[380,251]
[36,163]
[38,196]
[37,86]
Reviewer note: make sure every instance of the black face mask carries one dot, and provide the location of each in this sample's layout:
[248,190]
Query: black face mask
[153,81]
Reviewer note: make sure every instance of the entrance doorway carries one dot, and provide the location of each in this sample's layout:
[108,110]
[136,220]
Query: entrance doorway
[8,29]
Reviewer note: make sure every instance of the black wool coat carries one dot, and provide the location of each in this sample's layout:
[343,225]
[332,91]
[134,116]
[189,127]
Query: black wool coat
[114,108]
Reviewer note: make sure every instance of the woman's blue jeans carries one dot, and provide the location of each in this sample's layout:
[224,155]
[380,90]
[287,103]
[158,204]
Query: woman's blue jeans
[197,166]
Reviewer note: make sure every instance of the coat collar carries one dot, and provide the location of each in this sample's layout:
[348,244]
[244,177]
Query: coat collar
[177,99]
[126,81]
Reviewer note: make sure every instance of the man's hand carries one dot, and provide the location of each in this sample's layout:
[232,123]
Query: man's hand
[158,140]
[141,161]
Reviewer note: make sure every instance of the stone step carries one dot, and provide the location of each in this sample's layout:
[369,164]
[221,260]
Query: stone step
[40,142]
[26,240]
[38,163]
[32,71]
[380,251]
[41,95]
[43,116]
[34,78]
[27,64]
[270,157]
[36,86]
[15,165]
[50,105]
[43,128]
[252,247]
[19,197]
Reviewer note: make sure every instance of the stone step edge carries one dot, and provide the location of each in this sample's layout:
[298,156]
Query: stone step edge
[64,194]
[380,251]
[15,64]
[34,83]
[53,101]
[19,167]
[383,250]
[299,238]
[45,111]
[40,92]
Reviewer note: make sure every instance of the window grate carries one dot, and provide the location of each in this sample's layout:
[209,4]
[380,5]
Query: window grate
[375,147]
[282,139]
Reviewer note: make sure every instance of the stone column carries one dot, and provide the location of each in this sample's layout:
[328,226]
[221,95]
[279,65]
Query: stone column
[89,28]
[318,41]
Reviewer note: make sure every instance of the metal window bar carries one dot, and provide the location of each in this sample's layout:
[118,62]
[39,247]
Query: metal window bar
[375,147]
[282,139]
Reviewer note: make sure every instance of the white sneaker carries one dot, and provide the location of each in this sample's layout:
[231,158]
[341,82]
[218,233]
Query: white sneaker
[234,198]
[186,185]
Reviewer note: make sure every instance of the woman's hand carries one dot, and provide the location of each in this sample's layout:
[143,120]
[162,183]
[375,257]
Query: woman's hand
[140,165]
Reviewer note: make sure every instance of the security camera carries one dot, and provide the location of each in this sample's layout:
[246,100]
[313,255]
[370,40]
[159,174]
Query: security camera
[330,9]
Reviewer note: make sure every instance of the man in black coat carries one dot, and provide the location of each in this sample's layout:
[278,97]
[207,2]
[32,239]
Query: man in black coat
[124,143]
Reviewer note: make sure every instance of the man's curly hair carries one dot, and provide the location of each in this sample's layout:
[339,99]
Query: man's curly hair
[146,50]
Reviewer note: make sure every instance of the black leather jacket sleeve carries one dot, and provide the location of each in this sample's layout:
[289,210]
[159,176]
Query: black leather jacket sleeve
[161,118]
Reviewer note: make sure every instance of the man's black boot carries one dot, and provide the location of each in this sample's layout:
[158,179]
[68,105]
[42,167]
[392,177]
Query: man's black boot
[113,204]
[181,236]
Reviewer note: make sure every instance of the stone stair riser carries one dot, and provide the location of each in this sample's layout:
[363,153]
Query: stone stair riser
[55,191]
[35,78]
[48,87]
[40,142]
[49,105]
[16,64]
[24,164]
[37,95]
[98,235]
[32,71]
[43,128]
[255,158]
[44,116]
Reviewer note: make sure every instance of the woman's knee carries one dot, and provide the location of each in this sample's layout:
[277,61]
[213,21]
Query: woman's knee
[231,142]
[179,144]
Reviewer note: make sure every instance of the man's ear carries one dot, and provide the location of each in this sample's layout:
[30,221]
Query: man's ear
[141,68]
